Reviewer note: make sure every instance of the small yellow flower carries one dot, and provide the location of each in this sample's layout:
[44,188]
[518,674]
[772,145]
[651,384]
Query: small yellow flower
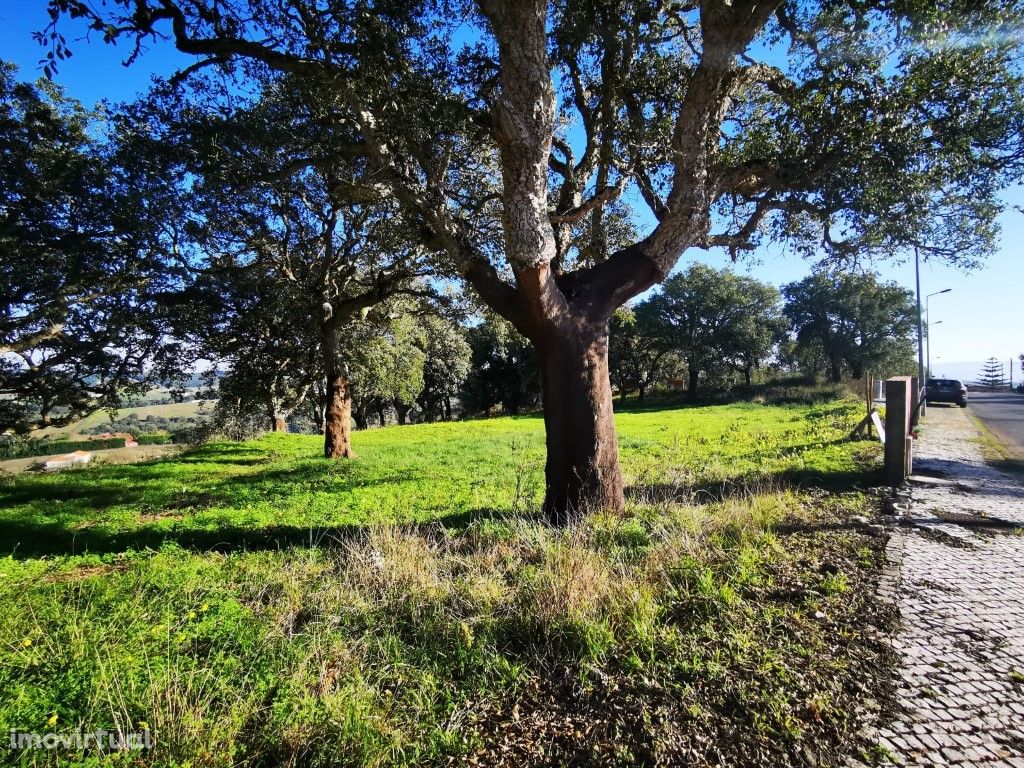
[192,614]
[27,642]
[52,721]
[143,725]
[204,608]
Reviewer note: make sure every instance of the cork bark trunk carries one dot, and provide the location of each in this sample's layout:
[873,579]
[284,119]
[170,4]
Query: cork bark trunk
[338,418]
[582,471]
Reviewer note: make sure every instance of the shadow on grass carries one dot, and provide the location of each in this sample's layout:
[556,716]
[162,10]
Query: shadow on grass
[836,481]
[160,485]
[96,498]
[25,540]
[659,403]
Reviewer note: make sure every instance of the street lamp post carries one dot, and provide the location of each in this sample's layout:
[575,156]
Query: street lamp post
[928,340]
[920,334]
[927,319]
[920,338]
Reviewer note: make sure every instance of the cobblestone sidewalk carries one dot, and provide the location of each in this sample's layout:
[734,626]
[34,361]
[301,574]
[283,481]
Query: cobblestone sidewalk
[957,578]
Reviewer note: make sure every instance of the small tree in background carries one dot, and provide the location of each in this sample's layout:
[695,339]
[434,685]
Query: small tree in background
[504,369]
[383,363]
[446,366]
[993,376]
[853,321]
[716,320]
[639,355]
[258,202]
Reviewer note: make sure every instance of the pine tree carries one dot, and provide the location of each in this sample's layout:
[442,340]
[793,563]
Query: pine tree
[993,376]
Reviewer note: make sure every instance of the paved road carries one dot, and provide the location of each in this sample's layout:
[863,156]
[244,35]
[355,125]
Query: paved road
[1003,413]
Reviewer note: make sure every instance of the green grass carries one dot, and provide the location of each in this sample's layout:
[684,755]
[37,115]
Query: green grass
[255,604]
[281,487]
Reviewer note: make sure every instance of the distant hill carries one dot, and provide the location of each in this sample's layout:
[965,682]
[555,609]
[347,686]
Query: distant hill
[166,410]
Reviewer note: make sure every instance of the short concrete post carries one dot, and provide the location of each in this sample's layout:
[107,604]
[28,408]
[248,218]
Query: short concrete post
[898,399]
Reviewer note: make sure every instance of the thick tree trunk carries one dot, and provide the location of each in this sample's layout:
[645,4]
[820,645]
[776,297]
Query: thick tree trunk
[748,374]
[582,471]
[692,382]
[512,404]
[338,418]
[402,412]
[362,418]
[447,409]
[278,422]
[836,370]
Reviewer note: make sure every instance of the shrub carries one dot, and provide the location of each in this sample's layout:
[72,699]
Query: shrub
[18,447]
[155,438]
[195,434]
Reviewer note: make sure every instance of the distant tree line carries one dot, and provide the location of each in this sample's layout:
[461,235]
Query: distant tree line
[708,327]
[146,425]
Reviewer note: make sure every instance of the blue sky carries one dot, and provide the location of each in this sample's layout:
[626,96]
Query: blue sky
[983,316]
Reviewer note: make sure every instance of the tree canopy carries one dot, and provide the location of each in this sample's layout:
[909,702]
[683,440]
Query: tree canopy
[853,322]
[716,318]
[265,196]
[79,309]
[639,352]
[518,136]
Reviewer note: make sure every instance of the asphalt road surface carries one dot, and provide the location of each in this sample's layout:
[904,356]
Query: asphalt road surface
[1003,413]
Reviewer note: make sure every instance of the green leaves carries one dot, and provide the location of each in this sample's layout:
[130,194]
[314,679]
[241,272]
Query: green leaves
[78,318]
[716,318]
[851,322]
